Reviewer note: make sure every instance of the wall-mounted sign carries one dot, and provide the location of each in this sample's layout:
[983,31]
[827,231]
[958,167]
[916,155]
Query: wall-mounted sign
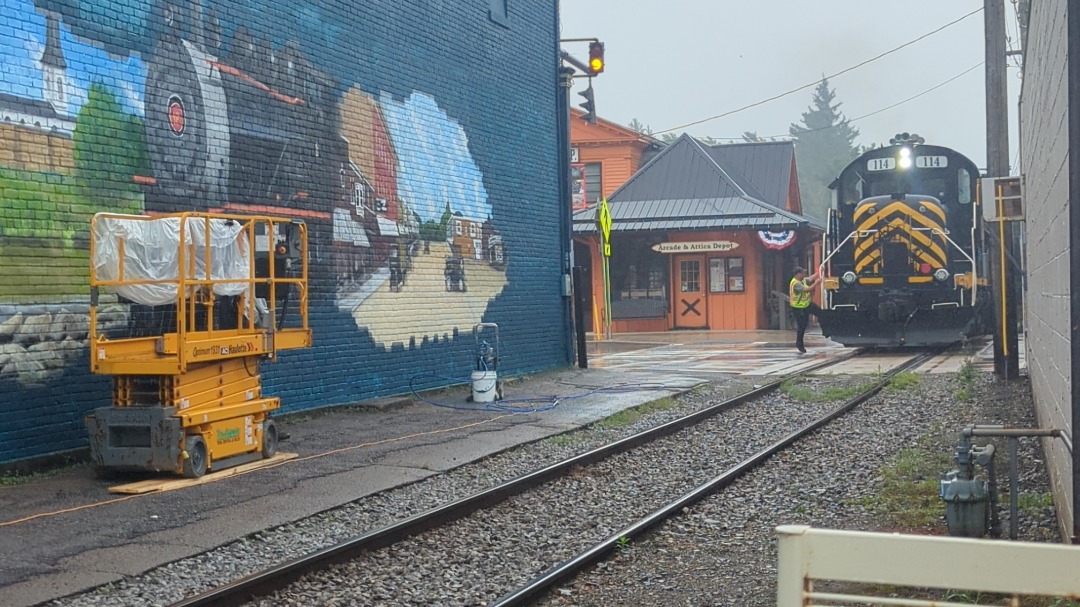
[711,246]
[574,155]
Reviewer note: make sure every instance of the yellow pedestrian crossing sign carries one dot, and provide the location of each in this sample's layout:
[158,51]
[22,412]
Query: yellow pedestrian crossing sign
[604,218]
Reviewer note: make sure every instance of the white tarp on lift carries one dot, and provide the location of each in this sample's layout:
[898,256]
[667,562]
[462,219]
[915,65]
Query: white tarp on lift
[152,252]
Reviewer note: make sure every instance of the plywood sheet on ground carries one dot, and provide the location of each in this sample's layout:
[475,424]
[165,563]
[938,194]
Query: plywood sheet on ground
[170,483]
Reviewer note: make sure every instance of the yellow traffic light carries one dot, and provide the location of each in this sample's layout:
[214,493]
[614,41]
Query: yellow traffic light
[596,58]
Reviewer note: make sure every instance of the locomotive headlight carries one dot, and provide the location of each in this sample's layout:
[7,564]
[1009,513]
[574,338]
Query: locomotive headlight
[941,275]
[849,278]
[905,158]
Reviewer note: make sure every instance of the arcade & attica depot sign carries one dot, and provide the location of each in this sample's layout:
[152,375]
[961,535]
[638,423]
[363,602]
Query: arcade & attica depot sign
[711,246]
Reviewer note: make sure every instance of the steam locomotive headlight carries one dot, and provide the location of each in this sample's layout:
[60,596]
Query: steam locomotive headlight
[941,275]
[905,158]
[848,278]
[177,119]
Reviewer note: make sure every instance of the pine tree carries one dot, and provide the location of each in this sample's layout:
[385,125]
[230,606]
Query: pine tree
[825,144]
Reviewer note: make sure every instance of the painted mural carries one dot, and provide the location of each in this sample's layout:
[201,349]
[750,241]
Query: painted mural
[182,111]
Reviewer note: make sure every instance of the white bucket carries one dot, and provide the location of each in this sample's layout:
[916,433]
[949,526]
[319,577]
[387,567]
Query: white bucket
[483,386]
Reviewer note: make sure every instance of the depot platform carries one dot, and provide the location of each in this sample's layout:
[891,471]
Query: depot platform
[63,532]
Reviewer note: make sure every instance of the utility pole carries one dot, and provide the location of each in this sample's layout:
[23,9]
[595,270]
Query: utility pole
[565,81]
[1003,276]
[574,289]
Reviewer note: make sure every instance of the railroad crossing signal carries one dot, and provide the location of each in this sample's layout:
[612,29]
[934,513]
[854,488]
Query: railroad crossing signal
[604,218]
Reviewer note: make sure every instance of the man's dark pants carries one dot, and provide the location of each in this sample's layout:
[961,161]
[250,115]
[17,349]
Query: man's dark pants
[802,318]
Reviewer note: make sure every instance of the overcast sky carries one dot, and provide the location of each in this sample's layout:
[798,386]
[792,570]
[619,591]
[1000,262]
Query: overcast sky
[673,62]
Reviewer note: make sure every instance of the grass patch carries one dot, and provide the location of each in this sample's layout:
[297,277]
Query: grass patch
[1034,502]
[908,495]
[800,390]
[902,381]
[567,439]
[966,376]
[627,417]
[14,478]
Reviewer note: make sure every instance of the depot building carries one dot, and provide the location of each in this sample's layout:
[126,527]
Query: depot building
[701,237]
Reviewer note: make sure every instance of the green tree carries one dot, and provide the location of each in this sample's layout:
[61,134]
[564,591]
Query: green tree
[640,127]
[825,143]
[109,146]
[669,137]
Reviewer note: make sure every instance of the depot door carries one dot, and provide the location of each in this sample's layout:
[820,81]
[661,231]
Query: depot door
[688,288]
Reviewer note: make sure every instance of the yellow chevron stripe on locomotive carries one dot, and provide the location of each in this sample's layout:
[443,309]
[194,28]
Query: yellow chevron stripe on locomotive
[920,228]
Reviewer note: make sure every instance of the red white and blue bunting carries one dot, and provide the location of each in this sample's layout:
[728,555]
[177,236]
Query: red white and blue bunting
[776,240]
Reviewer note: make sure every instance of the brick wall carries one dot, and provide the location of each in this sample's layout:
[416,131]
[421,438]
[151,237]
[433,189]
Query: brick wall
[376,122]
[1044,154]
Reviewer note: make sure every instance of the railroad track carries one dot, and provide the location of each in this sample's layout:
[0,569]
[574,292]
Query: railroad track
[278,579]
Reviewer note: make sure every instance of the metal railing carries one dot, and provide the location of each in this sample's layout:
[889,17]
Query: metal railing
[1013,569]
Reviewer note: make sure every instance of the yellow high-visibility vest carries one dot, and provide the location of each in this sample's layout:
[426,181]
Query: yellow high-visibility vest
[798,300]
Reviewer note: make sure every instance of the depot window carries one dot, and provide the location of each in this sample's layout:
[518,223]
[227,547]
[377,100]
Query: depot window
[639,279]
[726,275]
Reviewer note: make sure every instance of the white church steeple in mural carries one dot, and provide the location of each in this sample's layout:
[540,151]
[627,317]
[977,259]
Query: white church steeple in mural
[53,65]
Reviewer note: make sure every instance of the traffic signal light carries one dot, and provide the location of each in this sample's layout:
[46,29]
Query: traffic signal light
[596,58]
[589,106]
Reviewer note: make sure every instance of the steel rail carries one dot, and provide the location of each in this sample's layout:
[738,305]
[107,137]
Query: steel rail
[267,581]
[532,591]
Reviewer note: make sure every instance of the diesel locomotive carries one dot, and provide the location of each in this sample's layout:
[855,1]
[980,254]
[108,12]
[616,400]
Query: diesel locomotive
[903,257]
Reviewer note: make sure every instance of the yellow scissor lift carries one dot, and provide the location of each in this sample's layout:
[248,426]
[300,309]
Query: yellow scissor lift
[187,394]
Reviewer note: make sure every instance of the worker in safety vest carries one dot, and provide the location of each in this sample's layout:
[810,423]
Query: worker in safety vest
[802,306]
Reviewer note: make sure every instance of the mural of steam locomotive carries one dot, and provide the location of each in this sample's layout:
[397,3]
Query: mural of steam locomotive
[250,126]
[234,124]
[238,125]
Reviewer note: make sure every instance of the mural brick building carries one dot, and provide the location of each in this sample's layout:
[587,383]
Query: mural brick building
[378,124]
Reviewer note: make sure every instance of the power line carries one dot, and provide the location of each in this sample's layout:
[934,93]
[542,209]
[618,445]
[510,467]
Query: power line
[816,82]
[875,112]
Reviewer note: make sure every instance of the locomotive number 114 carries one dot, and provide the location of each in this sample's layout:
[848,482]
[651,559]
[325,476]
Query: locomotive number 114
[931,162]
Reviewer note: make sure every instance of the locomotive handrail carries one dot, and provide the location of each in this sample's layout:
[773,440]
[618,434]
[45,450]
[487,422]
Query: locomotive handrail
[834,251]
[945,235]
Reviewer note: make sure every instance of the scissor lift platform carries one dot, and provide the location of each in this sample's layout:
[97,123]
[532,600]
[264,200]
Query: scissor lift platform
[187,391]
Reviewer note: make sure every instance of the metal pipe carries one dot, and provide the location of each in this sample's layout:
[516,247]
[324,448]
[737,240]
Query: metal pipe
[993,430]
[1014,486]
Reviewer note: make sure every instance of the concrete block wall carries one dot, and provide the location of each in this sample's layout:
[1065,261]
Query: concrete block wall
[1044,115]
[403,133]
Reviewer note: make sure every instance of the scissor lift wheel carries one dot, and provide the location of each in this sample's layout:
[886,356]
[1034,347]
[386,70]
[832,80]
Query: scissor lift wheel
[270,439]
[195,463]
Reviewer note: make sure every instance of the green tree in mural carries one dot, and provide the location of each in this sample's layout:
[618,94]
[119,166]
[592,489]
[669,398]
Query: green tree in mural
[444,221]
[110,146]
[825,144]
